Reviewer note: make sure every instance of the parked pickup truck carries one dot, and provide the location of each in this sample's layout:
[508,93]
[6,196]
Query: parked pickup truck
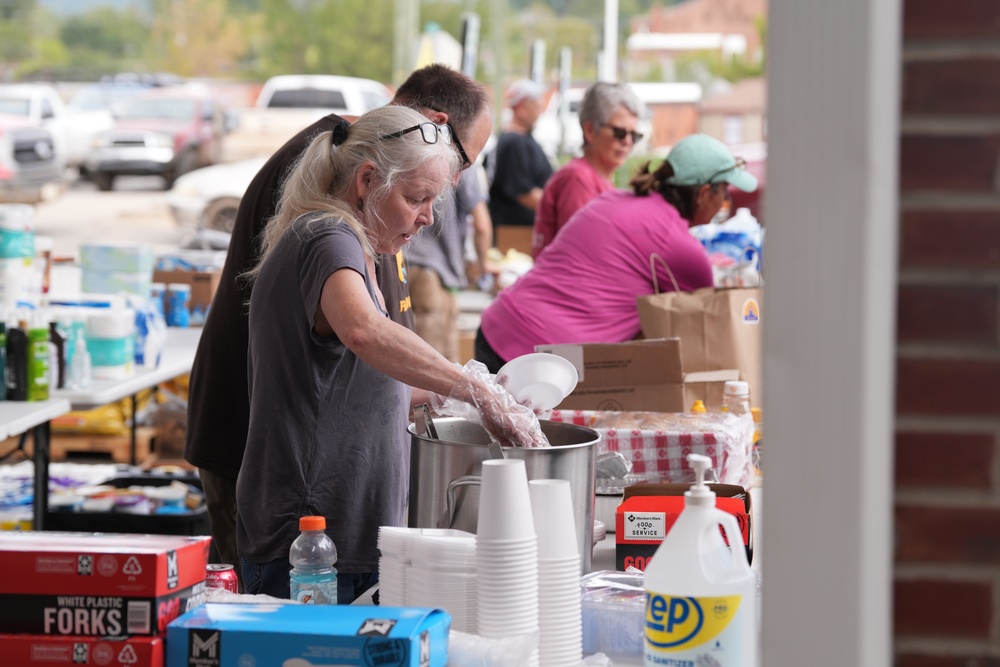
[39,105]
[29,172]
[288,103]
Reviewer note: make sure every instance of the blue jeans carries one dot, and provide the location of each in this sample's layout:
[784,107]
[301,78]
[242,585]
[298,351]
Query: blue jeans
[272,579]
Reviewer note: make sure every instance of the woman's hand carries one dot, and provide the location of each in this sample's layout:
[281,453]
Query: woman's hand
[508,422]
[477,397]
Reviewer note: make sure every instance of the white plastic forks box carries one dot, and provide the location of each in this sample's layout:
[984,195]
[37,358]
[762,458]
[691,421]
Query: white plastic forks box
[237,635]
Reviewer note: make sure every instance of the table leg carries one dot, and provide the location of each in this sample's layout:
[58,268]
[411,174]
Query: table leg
[135,419]
[41,458]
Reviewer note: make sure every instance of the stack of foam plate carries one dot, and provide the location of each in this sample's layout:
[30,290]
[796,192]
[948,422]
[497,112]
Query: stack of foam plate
[393,544]
[442,573]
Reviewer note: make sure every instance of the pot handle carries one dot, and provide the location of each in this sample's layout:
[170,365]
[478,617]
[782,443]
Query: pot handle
[448,518]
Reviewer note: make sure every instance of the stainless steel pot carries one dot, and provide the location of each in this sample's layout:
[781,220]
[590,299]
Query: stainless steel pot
[444,473]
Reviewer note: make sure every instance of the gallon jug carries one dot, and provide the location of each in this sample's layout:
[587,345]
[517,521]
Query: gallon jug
[701,596]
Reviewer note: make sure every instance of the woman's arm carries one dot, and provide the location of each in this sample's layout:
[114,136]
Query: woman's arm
[386,346]
[401,354]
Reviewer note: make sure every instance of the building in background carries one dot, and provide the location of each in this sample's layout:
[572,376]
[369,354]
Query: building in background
[666,33]
[737,116]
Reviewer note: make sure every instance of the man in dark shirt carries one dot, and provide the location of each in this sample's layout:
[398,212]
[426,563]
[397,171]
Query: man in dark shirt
[218,404]
[520,167]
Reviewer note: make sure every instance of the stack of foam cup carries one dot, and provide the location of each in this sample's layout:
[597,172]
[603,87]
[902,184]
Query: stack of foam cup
[393,545]
[560,641]
[506,554]
[442,573]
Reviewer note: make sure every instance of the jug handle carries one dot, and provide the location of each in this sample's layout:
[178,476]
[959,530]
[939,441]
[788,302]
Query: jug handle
[738,562]
[464,480]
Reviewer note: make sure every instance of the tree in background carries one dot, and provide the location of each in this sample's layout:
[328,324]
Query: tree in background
[200,38]
[15,40]
[346,37]
[105,40]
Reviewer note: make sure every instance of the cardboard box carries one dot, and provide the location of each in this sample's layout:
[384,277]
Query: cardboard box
[236,635]
[203,285]
[39,651]
[637,375]
[100,564]
[648,511]
[466,346]
[94,584]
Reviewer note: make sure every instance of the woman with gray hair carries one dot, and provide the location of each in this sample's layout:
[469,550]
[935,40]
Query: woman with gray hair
[609,116]
[330,374]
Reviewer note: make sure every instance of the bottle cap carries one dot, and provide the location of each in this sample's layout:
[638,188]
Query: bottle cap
[699,494]
[312,523]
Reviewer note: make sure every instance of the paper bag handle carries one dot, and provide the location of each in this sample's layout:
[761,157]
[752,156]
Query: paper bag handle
[652,269]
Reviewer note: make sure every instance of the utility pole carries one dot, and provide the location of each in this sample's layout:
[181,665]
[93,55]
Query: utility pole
[609,70]
[406,16]
[498,36]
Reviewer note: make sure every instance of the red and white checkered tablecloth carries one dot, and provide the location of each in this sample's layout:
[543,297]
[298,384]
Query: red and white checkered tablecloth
[661,455]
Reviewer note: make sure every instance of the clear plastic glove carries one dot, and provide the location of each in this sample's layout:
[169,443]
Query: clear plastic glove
[479,399]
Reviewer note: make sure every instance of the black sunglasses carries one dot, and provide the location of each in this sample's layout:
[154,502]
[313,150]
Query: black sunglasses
[620,133]
[430,132]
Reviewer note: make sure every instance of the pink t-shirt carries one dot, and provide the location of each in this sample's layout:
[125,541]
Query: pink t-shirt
[565,193]
[583,288]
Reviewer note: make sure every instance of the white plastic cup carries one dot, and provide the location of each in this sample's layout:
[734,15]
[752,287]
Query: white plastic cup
[504,502]
[552,510]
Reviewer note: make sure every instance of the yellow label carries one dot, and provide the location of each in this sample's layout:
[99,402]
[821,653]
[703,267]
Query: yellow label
[683,623]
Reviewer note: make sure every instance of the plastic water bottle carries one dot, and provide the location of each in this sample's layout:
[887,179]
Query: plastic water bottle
[313,579]
[80,366]
[701,595]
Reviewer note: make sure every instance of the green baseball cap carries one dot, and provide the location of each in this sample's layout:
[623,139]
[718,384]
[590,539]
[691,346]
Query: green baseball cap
[698,159]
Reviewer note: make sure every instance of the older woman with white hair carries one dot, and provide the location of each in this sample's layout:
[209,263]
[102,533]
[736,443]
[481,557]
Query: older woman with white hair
[609,116]
[330,373]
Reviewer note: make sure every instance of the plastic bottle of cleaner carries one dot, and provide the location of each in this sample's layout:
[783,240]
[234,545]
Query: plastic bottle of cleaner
[701,604]
[313,579]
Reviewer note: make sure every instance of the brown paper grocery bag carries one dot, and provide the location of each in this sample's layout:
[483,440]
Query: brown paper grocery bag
[719,328]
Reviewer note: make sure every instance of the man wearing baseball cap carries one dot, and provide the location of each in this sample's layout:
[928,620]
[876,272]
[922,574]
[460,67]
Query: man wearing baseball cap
[520,167]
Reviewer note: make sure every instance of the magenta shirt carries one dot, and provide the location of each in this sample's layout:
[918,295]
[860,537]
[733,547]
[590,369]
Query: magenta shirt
[565,193]
[583,288]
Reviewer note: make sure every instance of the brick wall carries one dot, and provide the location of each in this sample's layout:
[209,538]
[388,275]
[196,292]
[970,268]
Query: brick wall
[947,572]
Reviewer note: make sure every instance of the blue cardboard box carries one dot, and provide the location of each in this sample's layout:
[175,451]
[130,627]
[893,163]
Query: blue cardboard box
[237,635]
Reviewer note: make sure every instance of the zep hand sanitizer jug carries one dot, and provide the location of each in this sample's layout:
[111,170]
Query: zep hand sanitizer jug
[701,596]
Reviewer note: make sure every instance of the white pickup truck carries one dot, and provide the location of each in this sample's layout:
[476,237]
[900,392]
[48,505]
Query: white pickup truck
[39,105]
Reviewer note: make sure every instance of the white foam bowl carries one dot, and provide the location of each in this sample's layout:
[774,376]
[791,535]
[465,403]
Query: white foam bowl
[539,380]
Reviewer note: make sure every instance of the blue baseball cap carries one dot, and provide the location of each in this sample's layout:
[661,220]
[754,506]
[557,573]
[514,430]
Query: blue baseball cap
[698,159]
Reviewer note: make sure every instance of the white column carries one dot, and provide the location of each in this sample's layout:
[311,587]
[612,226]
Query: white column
[829,345]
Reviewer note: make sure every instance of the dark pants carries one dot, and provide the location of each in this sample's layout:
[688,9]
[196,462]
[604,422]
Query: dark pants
[487,354]
[272,579]
[220,503]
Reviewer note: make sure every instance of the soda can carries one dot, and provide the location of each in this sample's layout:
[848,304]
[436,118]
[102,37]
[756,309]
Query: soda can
[221,575]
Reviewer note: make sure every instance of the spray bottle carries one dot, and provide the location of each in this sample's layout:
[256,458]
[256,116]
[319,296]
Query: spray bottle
[701,596]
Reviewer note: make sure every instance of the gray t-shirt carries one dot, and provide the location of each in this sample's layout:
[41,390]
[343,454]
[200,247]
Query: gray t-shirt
[327,431]
[441,247]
